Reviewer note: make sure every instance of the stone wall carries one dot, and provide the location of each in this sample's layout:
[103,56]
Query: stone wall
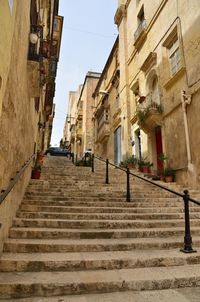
[18,119]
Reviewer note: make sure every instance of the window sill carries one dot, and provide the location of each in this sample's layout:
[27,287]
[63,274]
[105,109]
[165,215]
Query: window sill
[175,78]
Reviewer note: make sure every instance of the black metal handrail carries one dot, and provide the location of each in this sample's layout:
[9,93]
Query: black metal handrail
[186,198]
[13,181]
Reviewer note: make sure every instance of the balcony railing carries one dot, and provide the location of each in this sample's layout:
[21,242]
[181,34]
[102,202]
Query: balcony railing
[149,102]
[141,28]
[103,131]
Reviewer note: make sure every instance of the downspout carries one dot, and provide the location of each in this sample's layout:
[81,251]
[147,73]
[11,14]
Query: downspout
[186,100]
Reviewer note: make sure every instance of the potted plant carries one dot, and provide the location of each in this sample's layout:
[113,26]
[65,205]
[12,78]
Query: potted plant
[36,172]
[169,174]
[40,157]
[163,159]
[131,162]
[147,167]
[140,164]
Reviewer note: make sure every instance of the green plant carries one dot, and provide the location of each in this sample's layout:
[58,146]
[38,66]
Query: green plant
[132,160]
[142,114]
[37,167]
[163,157]
[169,172]
[147,164]
[140,163]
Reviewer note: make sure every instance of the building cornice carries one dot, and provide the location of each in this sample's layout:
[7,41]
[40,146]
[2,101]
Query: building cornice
[120,14]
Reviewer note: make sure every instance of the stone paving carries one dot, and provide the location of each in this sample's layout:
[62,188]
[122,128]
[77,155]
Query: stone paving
[75,238]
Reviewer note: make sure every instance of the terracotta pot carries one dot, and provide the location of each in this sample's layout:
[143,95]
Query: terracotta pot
[169,178]
[162,177]
[146,169]
[35,174]
[131,166]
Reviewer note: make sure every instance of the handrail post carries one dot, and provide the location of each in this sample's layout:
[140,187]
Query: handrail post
[128,195]
[92,162]
[187,239]
[107,178]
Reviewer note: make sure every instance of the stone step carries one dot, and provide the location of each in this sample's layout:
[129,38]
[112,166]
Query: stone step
[26,284]
[105,216]
[105,203]
[165,295]
[103,197]
[92,245]
[101,224]
[50,233]
[102,194]
[86,209]
[34,262]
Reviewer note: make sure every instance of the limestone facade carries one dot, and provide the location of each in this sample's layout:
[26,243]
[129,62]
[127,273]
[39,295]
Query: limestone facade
[27,84]
[159,54]
[107,113]
[80,116]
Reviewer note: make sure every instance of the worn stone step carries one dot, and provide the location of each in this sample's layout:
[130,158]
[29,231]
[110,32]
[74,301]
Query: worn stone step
[110,224]
[104,216]
[20,232]
[85,209]
[188,294]
[101,195]
[92,245]
[103,202]
[11,262]
[28,284]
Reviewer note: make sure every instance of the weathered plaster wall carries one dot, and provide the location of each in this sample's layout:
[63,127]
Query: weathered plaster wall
[18,119]
[7,25]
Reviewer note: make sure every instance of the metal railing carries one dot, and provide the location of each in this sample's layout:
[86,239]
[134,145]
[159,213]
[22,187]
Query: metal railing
[13,181]
[186,197]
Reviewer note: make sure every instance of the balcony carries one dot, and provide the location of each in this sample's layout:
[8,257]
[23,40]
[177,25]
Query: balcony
[140,34]
[149,112]
[72,132]
[103,131]
[79,133]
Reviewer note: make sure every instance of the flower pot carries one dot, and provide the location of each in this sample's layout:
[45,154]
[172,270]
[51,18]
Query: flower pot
[35,174]
[162,177]
[131,166]
[169,178]
[146,170]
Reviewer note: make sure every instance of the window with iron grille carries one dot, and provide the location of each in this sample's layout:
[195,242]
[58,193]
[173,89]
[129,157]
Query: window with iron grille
[175,56]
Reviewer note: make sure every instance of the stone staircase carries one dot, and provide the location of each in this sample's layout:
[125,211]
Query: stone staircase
[75,238]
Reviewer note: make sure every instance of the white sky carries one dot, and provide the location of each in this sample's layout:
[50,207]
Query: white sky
[88,35]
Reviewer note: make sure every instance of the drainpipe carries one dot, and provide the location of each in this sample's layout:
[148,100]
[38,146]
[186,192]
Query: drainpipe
[186,100]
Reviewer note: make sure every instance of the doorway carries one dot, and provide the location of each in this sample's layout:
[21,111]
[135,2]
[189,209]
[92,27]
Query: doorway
[117,146]
[159,148]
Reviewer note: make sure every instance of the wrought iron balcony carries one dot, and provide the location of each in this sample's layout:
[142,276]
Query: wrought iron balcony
[149,111]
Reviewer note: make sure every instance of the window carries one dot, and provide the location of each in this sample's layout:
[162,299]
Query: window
[141,15]
[173,46]
[175,57]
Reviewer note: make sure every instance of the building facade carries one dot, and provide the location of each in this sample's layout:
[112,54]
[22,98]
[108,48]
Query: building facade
[107,113]
[80,116]
[30,41]
[159,83]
